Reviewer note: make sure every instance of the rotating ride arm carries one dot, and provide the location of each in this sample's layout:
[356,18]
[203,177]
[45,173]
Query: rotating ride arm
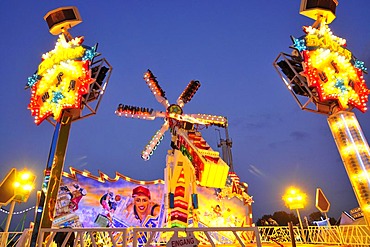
[200,119]
[207,120]
[188,93]
[154,87]
[138,112]
[154,142]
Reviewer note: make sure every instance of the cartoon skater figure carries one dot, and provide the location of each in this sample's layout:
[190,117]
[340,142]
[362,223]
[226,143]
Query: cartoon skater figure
[104,201]
[74,196]
[77,195]
[113,203]
[65,189]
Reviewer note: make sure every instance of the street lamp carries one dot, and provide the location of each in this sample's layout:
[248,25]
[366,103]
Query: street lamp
[295,199]
[23,185]
[16,187]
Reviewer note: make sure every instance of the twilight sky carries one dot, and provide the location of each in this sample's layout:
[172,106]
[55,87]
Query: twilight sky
[229,46]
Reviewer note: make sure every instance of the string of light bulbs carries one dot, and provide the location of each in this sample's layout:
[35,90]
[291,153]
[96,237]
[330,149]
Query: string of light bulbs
[19,212]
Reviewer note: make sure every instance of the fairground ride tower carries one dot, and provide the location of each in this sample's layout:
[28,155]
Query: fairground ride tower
[324,77]
[67,86]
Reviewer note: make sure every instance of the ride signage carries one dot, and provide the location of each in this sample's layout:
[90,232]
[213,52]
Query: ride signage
[331,69]
[188,241]
[322,203]
[62,78]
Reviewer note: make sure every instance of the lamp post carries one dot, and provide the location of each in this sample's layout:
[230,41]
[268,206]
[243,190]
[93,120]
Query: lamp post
[23,184]
[295,199]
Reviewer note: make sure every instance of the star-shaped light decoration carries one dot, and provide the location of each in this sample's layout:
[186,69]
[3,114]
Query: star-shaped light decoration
[332,69]
[62,78]
[299,44]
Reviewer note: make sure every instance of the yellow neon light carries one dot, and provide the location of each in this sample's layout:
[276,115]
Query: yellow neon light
[328,67]
[64,77]
[328,42]
[63,51]
[68,84]
[355,154]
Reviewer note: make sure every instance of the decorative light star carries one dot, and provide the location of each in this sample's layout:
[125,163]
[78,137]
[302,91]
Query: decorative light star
[90,53]
[62,78]
[360,65]
[32,80]
[331,68]
[57,96]
[340,84]
[299,44]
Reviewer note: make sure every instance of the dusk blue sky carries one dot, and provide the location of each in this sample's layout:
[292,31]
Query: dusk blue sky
[229,46]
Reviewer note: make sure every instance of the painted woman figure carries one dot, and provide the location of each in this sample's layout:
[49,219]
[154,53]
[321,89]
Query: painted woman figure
[142,207]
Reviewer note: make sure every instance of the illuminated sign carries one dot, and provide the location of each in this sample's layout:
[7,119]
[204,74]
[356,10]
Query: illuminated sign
[331,69]
[62,78]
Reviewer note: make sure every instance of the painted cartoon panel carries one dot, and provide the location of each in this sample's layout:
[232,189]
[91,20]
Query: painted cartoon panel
[88,201]
[85,200]
[226,207]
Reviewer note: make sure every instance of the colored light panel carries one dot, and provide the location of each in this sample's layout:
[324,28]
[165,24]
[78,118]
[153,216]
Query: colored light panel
[331,69]
[62,78]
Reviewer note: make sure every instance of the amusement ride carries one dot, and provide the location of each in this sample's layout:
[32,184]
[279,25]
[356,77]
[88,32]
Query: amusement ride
[191,160]
[325,77]
[321,73]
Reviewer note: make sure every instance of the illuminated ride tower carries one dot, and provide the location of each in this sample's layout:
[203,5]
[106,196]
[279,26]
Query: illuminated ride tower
[324,77]
[67,86]
[191,160]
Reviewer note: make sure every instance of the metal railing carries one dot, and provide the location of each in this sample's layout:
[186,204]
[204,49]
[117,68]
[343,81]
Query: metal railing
[354,236]
[13,239]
